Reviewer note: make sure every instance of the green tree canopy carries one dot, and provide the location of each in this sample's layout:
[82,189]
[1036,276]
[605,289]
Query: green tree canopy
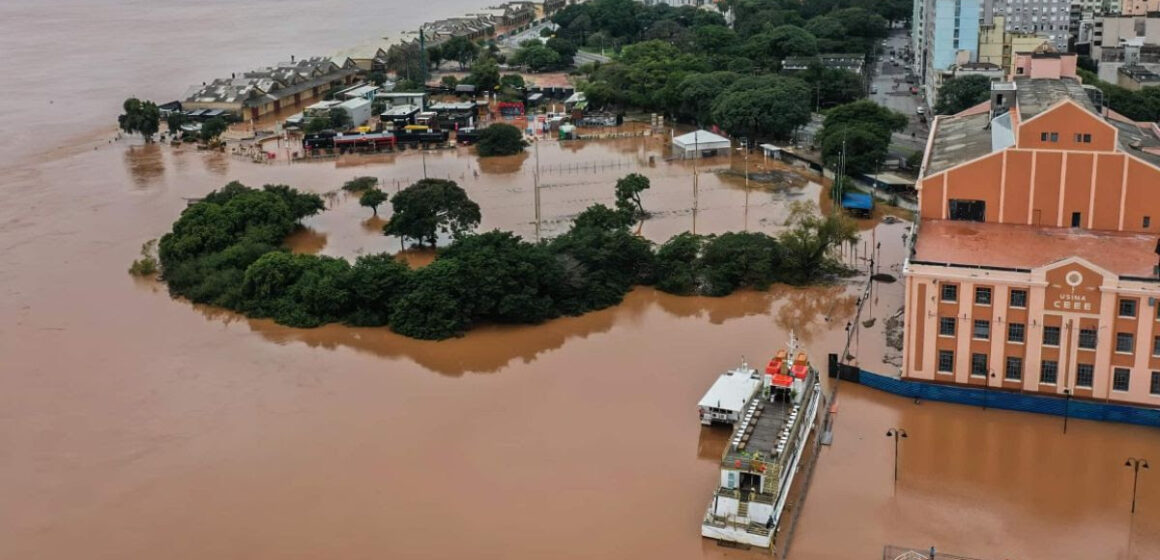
[500,139]
[866,129]
[430,207]
[360,184]
[213,128]
[461,50]
[628,189]
[484,74]
[140,117]
[537,57]
[772,111]
[372,198]
[791,40]
[961,93]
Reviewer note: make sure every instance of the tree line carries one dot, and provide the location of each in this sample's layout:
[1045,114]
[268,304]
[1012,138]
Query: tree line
[226,250]
[687,63]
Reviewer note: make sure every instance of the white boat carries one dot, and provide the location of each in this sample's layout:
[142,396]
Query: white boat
[730,395]
[762,456]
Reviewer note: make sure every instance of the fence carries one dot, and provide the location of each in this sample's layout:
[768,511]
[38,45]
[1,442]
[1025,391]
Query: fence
[992,398]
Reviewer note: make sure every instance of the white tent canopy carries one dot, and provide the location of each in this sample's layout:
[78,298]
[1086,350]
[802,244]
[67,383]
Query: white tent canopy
[700,143]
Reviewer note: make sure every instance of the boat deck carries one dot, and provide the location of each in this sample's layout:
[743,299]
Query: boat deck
[762,432]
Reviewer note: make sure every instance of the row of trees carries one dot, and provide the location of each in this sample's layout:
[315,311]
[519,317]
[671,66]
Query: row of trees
[225,250]
[144,118]
[1141,106]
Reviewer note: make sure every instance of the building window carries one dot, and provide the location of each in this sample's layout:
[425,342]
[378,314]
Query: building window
[1015,332]
[982,296]
[982,330]
[946,361]
[1155,387]
[1055,137]
[1083,138]
[1127,308]
[1087,339]
[1121,378]
[1156,346]
[979,365]
[950,292]
[1048,372]
[1014,371]
[1125,342]
[946,326]
[1147,221]
[1084,373]
[1042,136]
[1051,336]
[1019,298]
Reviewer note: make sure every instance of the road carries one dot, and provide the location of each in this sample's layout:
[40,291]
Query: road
[582,57]
[884,75]
[889,88]
[512,42]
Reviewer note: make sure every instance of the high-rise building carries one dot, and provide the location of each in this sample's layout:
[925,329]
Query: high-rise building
[945,31]
[1047,18]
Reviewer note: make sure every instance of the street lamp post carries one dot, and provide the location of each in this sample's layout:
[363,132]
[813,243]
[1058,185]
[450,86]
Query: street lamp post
[897,434]
[1135,464]
[987,385]
[1066,407]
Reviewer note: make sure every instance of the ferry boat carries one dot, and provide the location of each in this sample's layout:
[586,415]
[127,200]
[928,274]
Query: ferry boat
[761,459]
[730,395]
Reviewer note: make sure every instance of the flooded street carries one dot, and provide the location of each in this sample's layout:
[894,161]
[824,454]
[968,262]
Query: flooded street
[133,425]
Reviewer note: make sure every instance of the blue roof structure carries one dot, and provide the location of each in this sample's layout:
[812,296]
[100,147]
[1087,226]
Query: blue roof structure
[857,201]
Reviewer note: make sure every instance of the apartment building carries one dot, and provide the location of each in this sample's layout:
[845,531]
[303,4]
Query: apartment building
[1033,267]
[946,32]
[1049,19]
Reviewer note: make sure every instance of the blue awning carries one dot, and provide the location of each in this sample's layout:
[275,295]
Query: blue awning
[857,201]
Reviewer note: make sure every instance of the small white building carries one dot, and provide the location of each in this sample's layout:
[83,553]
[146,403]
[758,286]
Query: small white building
[359,109]
[700,143]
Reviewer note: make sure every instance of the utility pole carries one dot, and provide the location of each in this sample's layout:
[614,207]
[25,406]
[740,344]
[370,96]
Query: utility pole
[696,156]
[536,189]
[423,74]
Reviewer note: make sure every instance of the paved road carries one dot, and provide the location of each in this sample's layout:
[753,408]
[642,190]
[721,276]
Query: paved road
[889,89]
[512,42]
[582,57]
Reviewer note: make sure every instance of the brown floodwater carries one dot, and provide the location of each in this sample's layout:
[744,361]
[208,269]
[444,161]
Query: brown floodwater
[133,425]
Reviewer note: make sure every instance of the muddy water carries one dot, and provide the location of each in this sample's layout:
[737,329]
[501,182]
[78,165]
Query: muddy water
[134,425]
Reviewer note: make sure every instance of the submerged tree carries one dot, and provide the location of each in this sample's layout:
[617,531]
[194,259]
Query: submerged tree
[500,140]
[212,129]
[429,207]
[628,189]
[372,199]
[140,117]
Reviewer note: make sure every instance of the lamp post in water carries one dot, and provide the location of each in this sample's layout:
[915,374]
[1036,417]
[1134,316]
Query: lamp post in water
[1066,407]
[1135,464]
[897,434]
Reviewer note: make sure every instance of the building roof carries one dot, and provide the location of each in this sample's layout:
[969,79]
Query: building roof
[956,139]
[857,201]
[732,390]
[702,137]
[1024,247]
[969,135]
[1037,95]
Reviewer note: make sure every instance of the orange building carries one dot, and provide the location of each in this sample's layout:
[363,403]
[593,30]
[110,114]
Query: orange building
[1033,263]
